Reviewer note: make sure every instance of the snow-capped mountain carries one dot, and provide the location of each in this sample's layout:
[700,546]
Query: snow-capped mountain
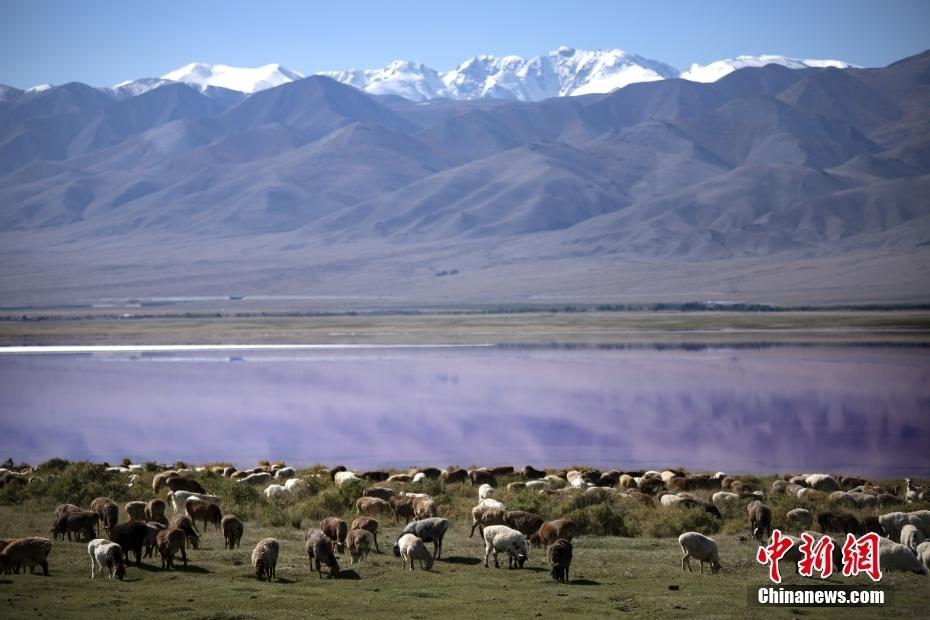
[714,71]
[563,72]
[242,79]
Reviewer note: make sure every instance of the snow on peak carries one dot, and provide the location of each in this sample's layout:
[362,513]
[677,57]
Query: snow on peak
[242,79]
[713,71]
[39,88]
[411,80]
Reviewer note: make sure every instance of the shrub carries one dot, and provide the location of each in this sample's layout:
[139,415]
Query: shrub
[672,522]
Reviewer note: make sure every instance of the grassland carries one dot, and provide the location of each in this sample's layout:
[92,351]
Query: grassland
[636,573]
[137,327]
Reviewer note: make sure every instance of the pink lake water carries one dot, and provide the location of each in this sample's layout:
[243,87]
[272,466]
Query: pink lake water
[748,409]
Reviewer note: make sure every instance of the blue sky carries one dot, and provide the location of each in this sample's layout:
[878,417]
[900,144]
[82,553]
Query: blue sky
[103,42]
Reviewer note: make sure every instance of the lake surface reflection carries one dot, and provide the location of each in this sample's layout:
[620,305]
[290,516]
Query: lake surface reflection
[848,409]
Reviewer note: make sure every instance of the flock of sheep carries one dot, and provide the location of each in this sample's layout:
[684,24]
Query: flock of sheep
[510,532]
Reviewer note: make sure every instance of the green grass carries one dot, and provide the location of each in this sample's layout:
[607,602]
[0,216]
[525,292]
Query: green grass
[610,574]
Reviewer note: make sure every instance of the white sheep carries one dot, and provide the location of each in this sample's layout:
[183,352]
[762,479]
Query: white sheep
[719,476]
[572,475]
[556,482]
[923,554]
[911,537]
[136,467]
[343,477]
[284,473]
[492,503]
[822,482]
[293,485]
[275,490]
[723,497]
[499,539]
[134,479]
[419,477]
[257,478]
[924,517]
[580,483]
[667,475]
[485,491]
[801,518]
[652,474]
[414,495]
[670,499]
[699,547]
[538,485]
[179,499]
[106,555]
[411,549]
[895,557]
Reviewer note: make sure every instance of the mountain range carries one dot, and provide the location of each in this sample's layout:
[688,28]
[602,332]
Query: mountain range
[769,184]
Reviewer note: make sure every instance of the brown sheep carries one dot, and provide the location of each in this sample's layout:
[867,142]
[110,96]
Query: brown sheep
[482,516]
[131,537]
[336,530]
[320,549]
[185,484]
[155,511]
[651,486]
[506,470]
[199,510]
[169,541]
[380,492]
[108,511]
[482,476]
[76,523]
[530,473]
[159,480]
[63,508]
[232,531]
[559,555]
[431,472]
[374,476]
[760,520]
[135,511]
[454,475]
[26,553]
[368,524]
[424,508]
[359,545]
[184,523]
[551,531]
[402,507]
[527,523]
[372,506]
[831,521]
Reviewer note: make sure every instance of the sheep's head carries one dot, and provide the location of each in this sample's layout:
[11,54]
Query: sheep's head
[334,569]
[396,550]
[118,570]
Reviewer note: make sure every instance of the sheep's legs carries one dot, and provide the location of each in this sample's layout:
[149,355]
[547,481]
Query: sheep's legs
[685,561]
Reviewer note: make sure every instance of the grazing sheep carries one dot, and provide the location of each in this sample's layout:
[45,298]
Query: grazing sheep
[169,541]
[380,492]
[60,509]
[108,511]
[414,495]
[530,473]
[131,537]
[411,549]
[359,544]
[368,524]
[483,516]
[431,472]
[923,554]
[336,530]
[22,553]
[373,506]
[232,531]
[538,485]
[400,478]
[179,483]
[723,497]
[551,531]
[527,523]
[842,498]
[135,511]
[320,549]
[800,518]
[500,538]
[822,482]
[275,490]
[895,557]
[492,503]
[199,510]
[454,475]
[76,523]
[559,555]
[699,547]
[424,508]
[151,537]
[428,530]
[911,537]
[155,511]
[284,473]
[419,478]
[256,479]
[482,476]
[106,555]
[179,499]
[185,524]
[920,519]
[160,479]
[760,520]
[402,507]
[831,521]
[265,558]
[556,482]
[485,491]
